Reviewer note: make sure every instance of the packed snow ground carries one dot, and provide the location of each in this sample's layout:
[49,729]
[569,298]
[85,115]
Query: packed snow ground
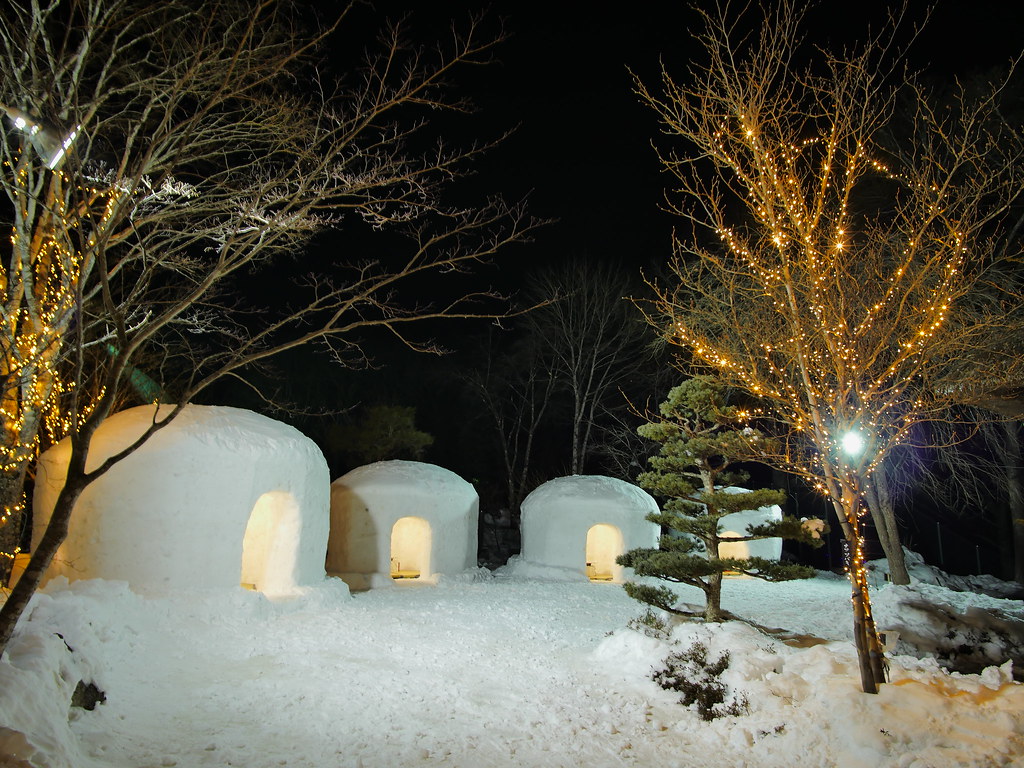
[473,672]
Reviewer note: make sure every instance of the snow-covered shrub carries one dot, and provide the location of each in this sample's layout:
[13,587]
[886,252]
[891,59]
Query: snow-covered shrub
[699,681]
[651,624]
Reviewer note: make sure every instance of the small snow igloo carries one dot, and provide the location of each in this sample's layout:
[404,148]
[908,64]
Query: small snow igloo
[583,522]
[401,520]
[220,497]
[737,523]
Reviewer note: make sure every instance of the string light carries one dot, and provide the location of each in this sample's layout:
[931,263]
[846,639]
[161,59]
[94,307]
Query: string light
[40,304]
[828,352]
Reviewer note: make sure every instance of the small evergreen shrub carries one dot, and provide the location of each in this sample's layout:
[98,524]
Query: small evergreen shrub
[699,681]
[651,624]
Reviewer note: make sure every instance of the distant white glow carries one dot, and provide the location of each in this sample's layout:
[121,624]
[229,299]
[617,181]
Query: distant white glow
[853,443]
[65,146]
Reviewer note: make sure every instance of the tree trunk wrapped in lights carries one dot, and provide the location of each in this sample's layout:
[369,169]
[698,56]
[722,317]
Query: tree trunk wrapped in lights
[702,439]
[827,274]
[154,153]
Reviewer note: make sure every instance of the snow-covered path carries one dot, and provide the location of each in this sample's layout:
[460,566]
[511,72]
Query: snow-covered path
[472,675]
[481,674]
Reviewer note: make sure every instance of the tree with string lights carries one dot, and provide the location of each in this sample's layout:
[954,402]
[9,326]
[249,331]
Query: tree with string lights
[156,153]
[830,274]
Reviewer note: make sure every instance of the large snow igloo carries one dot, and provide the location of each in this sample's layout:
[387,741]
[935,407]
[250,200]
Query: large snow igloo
[219,497]
[398,520]
[583,522]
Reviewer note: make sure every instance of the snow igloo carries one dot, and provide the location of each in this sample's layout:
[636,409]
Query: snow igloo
[737,523]
[583,522]
[401,521]
[220,497]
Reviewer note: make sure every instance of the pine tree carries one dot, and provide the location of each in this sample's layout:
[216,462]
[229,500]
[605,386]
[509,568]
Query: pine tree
[385,432]
[702,439]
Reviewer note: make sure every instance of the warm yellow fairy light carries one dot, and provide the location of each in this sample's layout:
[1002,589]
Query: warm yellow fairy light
[42,277]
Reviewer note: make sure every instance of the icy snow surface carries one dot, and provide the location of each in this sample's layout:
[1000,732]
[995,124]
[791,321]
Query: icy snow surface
[474,672]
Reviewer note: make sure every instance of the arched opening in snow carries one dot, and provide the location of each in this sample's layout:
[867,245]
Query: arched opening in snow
[604,544]
[737,549]
[410,548]
[271,543]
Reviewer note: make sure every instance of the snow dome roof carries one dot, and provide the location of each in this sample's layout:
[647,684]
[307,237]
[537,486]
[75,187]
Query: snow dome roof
[594,490]
[411,477]
[236,430]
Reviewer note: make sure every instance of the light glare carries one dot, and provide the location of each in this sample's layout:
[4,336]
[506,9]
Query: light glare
[853,443]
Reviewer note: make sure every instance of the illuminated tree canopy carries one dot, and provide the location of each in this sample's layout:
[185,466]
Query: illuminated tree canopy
[833,274]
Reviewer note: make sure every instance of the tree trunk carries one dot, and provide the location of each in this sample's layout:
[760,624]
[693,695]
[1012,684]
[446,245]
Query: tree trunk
[1015,496]
[882,514]
[577,425]
[865,635]
[53,537]
[12,495]
[870,659]
[713,598]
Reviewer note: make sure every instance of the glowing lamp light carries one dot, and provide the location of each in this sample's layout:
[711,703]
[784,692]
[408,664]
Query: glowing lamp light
[51,148]
[853,443]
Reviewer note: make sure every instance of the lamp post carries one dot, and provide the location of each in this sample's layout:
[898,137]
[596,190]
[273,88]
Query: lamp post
[852,443]
[52,149]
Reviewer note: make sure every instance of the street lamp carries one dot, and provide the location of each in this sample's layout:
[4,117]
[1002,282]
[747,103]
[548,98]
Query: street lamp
[51,148]
[853,443]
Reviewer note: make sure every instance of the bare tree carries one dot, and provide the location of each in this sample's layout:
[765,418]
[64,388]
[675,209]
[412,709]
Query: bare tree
[594,340]
[158,150]
[878,498]
[826,275]
[977,470]
[515,389]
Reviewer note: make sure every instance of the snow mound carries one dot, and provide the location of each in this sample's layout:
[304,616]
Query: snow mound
[922,573]
[738,524]
[922,717]
[582,523]
[405,518]
[966,632]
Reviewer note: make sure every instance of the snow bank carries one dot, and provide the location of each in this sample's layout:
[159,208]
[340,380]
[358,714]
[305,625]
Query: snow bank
[404,517]
[219,497]
[490,673]
[807,702]
[922,573]
[966,632]
[584,522]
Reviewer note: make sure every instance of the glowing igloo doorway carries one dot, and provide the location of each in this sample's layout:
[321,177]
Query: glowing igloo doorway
[604,544]
[410,548]
[737,549]
[271,543]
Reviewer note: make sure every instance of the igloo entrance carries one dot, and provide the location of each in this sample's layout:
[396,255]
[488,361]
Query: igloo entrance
[270,545]
[410,548]
[737,549]
[604,544]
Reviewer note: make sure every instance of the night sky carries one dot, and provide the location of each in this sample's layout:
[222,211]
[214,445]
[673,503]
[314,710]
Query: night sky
[581,155]
[582,147]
